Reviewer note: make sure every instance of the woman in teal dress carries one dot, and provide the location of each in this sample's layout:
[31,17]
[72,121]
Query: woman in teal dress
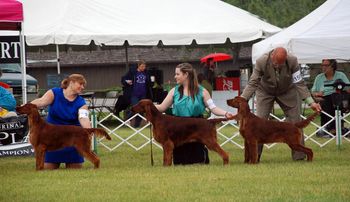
[189,99]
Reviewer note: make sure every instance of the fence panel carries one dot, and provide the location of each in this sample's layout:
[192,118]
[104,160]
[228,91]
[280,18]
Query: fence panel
[124,134]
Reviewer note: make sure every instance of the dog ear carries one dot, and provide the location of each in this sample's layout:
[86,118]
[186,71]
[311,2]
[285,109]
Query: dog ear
[242,107]
[148,112]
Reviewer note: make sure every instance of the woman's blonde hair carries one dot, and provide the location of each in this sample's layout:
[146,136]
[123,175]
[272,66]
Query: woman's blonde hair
[75,78]
[192,79]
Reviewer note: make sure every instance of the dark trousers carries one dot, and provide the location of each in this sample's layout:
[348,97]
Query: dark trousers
[122,104]
[190,153]
[265,104]
[327,106]
[296,155]
[134,101]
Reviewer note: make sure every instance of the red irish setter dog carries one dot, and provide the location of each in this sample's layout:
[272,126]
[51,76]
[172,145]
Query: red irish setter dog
[48,137]
[172,131]
[256,131]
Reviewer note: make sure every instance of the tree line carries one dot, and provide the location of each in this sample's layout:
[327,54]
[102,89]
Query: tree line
[281,13]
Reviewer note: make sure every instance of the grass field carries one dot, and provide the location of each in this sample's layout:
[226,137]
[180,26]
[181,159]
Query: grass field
[126,175]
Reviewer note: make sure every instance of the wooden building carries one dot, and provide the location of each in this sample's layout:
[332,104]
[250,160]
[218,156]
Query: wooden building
[104,66]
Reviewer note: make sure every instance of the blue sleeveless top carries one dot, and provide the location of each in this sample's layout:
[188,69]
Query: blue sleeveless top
[63,111]
[186,106]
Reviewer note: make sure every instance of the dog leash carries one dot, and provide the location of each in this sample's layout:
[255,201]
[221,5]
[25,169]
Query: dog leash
[150,137]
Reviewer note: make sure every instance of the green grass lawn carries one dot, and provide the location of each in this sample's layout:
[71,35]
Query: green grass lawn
[127,175]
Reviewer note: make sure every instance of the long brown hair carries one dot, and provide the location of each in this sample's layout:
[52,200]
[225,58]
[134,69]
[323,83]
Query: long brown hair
[75,78]
[192,80]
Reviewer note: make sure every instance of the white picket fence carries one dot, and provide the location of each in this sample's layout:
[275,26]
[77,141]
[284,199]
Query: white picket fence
[123,134]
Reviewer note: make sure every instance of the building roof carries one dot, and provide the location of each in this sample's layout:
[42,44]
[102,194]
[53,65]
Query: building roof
[69,55]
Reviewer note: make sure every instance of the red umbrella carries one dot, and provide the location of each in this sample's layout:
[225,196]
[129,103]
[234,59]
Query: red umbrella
[217,57]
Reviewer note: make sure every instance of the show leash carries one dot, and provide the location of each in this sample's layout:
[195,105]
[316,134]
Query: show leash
[151,136]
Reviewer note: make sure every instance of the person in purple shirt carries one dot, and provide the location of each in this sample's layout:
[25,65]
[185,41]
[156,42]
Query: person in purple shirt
[66,107]
[137,86]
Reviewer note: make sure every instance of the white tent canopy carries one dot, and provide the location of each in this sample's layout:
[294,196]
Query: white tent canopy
[112,22]
[324,33]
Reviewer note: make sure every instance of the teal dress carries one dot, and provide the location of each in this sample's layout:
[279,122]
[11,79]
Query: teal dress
[185,106]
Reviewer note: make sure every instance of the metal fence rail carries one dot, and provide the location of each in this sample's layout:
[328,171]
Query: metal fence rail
[123,134]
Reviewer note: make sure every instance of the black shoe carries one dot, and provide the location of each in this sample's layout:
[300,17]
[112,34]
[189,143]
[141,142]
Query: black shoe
[298,156]
[322,134]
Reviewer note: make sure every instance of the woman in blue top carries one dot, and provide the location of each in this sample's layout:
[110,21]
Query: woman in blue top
[324,93]
[189,99]
[66,107]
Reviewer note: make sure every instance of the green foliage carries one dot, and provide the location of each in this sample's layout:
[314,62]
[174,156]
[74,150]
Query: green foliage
[114,88]
[281,13]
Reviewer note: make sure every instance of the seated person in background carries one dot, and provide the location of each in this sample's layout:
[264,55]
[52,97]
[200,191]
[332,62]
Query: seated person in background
[7,102]
[324,94]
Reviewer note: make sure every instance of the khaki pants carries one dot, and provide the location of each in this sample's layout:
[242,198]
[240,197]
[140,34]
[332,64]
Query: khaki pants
[264,107]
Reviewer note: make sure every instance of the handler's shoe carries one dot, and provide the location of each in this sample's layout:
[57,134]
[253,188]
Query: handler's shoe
[322,134]
[298,156]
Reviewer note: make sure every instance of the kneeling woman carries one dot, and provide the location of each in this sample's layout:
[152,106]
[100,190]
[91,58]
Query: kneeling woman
[189,99]
[66,107]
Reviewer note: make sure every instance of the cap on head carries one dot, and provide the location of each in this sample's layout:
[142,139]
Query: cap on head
[279,55]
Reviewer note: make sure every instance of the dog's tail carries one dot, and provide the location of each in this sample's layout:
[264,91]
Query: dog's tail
[304,123]
[218,120]
[99,132]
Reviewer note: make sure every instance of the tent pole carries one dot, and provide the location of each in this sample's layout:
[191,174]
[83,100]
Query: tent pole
[58,59]
[23,66]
